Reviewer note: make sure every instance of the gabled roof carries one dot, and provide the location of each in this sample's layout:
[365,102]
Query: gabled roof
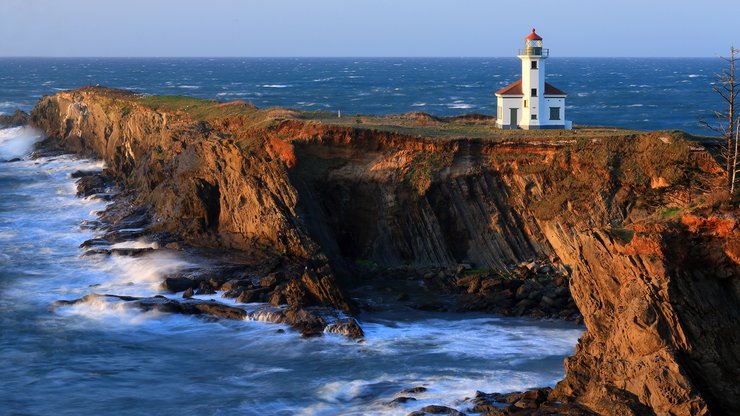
[515,88]
[551,90]
[533,36]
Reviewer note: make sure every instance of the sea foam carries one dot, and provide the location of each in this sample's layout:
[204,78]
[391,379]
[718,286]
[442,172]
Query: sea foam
[18,141]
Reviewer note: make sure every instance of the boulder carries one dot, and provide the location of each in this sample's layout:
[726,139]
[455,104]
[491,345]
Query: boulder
[348,327]
[176,284]
[234,284]
[205,288]
[413,390]
[92,184]
[401,400]
[271,280]
[251,295]
[441,410]
[307,323]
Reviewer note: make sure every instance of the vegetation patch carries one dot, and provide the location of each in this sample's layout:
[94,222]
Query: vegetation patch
[366,264]
[422,169]
[669,213]
[197,108]
[621,235]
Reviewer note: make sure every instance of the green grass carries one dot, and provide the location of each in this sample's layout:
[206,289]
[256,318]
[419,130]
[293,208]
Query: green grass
[623,236]
[669,213]
[423,168]
[197,108]
[451,128]
[366,264]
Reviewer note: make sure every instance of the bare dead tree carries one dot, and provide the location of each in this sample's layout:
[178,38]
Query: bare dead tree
[734,164]
[728,88]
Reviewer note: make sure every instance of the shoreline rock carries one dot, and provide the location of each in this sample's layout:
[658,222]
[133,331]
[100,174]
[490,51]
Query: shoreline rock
[309,323]
[18,118]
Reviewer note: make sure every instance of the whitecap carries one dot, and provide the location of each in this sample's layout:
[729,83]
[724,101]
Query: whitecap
[234,94]
[635,105]
[460,106]
[418,104]
[189,87]
[7,235]
[275,86]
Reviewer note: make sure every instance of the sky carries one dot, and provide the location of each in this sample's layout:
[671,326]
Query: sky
[366,28]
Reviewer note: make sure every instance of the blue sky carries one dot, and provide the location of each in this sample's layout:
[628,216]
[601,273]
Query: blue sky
[644,28]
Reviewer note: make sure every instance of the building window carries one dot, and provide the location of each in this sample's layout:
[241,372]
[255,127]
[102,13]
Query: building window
[526,104]
[534,92]
[534,64]
[554,113]
[534,116]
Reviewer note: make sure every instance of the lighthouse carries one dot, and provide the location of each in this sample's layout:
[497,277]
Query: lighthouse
[531,103]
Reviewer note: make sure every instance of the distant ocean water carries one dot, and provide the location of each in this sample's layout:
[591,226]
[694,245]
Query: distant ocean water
[640,93]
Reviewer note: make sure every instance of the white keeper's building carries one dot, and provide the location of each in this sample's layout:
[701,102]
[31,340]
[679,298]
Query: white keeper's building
[531,103]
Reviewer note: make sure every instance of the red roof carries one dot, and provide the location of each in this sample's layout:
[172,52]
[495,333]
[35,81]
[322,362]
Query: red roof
[533,36]
[515,88]
[551,90]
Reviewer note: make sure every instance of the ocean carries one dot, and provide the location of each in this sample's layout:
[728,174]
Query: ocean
[98,358]
[638,93]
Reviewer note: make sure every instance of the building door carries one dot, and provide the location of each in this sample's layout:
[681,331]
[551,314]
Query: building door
[513,119]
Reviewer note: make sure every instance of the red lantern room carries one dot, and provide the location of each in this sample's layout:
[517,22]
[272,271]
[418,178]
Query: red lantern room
[533,45]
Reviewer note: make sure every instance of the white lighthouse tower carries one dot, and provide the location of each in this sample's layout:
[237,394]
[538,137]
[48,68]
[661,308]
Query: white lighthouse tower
[531,103]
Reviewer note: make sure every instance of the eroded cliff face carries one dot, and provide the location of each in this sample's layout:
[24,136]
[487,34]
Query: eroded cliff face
[662,315]
[659,296]
[654,263]
[214,188]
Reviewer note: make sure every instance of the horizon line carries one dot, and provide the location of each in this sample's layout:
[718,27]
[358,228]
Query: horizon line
[340,57]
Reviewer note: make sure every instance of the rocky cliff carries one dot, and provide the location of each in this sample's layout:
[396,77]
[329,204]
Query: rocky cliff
[652,246]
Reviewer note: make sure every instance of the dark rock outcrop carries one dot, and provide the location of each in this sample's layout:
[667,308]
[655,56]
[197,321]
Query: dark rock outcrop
[347,327]
[167,305]
[309,323]
[531,403]
[18,118]
[437,410]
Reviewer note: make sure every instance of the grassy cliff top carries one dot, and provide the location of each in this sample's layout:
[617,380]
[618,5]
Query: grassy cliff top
[415,124]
